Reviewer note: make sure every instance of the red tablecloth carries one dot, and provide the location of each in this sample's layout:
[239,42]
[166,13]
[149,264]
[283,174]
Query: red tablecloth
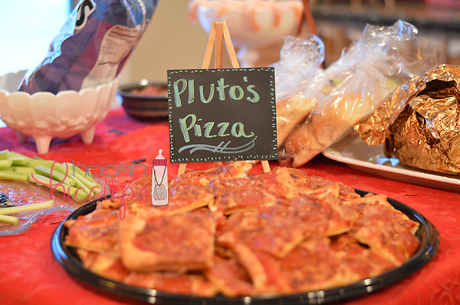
[29,273]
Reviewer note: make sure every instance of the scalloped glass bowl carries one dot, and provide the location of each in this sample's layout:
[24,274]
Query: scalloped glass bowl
[44,115]
[252,24]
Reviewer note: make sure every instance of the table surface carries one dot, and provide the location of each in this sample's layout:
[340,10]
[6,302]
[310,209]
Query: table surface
[31,275]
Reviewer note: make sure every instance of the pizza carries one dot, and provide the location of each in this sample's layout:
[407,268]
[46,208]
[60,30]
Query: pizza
[225,231]
[182,241]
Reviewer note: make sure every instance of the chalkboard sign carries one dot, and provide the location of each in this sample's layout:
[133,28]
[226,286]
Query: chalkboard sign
[222,115]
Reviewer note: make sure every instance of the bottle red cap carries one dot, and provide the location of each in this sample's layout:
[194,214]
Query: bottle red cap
[160,162]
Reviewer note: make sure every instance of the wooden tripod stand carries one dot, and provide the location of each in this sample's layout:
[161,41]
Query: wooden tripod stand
[218,35]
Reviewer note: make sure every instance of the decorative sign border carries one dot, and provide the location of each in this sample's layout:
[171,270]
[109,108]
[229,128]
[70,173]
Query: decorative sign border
[222,151]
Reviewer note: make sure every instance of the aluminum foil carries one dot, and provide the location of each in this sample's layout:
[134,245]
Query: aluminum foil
[419,122]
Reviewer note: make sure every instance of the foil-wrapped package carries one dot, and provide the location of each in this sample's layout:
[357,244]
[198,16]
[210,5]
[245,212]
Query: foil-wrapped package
[92,47]
[419,122]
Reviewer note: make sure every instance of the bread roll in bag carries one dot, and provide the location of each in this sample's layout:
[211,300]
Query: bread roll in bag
[371,69]
[351,102]
[300,82]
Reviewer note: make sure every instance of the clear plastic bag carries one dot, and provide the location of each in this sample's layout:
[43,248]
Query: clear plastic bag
[371,68]
[300,82]
[92,46]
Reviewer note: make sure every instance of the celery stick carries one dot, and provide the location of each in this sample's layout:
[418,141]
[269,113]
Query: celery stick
[34,162]
[9,219]
[14,176]
[77,193]
[95,190]
[8,169]
[61,169]
[38,158]
[94,187]
[24,169]
[89,176]
[4,154]
[42,180]
[79,183]
[14,154]
[81,194]
[47,172]
[81,172]
[49,182]
[6,163]
[80,180]
[18,160]
[27,207]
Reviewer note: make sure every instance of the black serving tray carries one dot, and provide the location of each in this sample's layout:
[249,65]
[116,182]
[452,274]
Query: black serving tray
[427,234]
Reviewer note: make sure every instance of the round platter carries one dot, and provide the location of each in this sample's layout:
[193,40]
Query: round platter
[427,234]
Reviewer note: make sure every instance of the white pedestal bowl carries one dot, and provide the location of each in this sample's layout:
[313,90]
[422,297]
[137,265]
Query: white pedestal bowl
[44,115]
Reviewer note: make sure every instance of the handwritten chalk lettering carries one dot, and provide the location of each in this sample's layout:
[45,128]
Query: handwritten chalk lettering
[223,148]
[190,122]
[235,92]
[178,91]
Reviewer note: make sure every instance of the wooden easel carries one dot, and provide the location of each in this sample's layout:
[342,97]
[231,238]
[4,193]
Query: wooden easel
[219,34]
[308,17]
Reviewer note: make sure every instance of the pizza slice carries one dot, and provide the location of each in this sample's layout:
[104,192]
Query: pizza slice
[151,242]
[96,231]
[265,271]
[379,199]
[312,265]
[104,264]
[387,239]
[315,184]
[328,213]
[238,195]
[253,192]
[357,261]
[183,197]
[275,229]
[230,278]
[387,231]
[233,169]
[137,191]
